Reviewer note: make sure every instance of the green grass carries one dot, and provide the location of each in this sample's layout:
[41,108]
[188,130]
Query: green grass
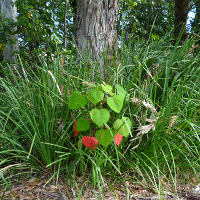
[36,123]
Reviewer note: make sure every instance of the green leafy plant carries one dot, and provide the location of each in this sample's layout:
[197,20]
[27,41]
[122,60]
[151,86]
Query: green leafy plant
[105,102]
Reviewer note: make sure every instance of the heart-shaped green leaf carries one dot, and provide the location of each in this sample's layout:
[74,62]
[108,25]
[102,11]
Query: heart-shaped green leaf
[120,91]
[115,103]
[104,136]
[95,96]
[99,117]
[82,124]
[107,89]
[123,126]
[76,100]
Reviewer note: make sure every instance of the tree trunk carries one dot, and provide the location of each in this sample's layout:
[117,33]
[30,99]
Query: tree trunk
[9,10]
[181,14]
[95,22]
[196,22]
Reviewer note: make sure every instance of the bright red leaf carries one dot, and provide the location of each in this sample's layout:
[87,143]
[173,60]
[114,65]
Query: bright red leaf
[90,142]
[118,139]
[74,128]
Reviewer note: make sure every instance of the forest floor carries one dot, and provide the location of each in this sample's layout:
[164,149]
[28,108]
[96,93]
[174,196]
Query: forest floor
[38,188]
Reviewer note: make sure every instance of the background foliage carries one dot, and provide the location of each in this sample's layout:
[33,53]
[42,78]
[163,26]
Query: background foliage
[46,25]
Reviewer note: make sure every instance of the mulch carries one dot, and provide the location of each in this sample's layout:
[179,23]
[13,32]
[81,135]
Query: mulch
[38,188]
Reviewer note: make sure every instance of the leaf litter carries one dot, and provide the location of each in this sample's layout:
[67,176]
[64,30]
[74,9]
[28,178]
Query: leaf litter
[37,189]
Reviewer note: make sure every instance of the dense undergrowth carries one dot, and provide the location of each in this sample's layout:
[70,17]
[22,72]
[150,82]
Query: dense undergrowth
[36,124]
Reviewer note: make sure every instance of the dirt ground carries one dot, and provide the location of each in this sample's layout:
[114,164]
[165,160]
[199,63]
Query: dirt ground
[38,188]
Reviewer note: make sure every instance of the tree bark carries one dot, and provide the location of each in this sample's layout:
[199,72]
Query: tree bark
[196,22]
[9,10]
[95,22]
[181,14]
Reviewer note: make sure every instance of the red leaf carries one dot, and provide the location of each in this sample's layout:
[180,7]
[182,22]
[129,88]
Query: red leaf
[118,139]
[90,142]
[74,128]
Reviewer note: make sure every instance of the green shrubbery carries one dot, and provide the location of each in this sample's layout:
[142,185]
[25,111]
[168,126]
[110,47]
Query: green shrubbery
[151,97]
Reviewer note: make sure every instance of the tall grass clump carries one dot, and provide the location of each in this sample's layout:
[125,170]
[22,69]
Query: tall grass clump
[167,77]
[33,114]
[162,82]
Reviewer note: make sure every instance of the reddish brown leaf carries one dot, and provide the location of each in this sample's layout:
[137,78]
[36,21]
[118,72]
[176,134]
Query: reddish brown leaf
[118,139]
[90,142]
[74,128]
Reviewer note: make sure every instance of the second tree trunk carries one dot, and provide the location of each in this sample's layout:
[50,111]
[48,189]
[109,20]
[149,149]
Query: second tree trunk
[181,13]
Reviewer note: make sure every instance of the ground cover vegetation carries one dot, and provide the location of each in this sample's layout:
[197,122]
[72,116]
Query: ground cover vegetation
[140,124]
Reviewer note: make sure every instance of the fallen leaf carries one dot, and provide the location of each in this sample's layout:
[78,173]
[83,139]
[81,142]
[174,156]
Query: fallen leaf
[33,182]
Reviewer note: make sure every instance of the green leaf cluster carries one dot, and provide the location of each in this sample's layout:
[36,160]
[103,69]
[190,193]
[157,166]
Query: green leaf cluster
[105,101]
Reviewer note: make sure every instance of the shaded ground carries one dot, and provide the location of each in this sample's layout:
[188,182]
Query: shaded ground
[39,189]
